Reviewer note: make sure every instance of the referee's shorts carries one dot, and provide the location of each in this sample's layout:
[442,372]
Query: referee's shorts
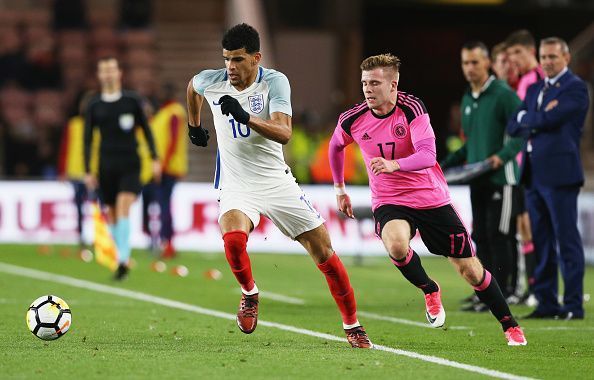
[116,176]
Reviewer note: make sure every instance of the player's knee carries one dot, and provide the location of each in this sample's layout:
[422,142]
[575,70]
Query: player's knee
[320,251]
[397,249]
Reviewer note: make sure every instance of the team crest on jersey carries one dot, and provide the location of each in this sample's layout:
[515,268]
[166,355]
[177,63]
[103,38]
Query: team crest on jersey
[399,131]
[256,103]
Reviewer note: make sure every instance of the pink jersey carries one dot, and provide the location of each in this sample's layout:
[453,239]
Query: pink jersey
[393,136]
[528,80]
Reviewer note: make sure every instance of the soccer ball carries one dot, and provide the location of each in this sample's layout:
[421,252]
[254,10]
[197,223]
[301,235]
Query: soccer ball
[49,317]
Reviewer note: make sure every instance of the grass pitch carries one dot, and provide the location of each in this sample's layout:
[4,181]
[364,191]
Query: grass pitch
[115,336]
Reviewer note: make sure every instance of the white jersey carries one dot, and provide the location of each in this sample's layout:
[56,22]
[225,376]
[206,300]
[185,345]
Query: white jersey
[247,161]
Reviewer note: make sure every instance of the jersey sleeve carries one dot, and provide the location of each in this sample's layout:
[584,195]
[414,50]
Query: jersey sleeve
[423,158]
[206,78]
[279,94]
[340,139]
[420,129]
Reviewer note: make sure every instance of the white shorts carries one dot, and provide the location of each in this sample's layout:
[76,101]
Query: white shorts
[286,206]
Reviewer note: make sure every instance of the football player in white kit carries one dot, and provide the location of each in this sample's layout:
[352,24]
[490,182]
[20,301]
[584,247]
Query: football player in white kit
[251,107]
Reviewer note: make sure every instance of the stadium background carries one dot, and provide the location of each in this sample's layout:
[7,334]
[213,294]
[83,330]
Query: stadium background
[163,325]
[48,49]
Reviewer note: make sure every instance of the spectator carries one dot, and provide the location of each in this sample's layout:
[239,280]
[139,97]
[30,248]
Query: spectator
[502,67]
[172,145]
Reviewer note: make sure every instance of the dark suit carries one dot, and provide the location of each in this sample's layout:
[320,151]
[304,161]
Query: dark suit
[552,172]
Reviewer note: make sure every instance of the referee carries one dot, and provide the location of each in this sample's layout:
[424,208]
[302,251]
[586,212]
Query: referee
[117,114]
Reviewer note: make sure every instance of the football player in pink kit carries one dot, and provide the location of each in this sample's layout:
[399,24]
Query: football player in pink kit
[408,189]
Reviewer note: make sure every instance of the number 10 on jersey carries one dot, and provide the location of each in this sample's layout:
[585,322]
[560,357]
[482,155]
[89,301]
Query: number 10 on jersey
[238,129]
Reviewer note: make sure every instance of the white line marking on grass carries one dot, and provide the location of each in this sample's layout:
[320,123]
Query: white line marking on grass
[39,275]
[380,317]
[557,328]
[279,297]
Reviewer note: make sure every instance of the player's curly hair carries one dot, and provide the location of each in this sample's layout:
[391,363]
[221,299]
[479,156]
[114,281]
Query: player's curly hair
[242,36]
[382,60]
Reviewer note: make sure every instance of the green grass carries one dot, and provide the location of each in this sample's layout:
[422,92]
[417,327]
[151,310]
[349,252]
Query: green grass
[117,337]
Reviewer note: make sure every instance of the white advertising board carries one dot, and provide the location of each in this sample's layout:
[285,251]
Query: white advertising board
[44,212]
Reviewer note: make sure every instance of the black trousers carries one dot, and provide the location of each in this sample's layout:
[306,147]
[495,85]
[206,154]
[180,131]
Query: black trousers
[494,211]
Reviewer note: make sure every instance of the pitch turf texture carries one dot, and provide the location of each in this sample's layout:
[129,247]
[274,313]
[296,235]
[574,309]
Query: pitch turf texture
[115,336]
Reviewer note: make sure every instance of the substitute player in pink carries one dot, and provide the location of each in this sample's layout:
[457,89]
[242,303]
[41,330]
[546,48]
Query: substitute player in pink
[409,191]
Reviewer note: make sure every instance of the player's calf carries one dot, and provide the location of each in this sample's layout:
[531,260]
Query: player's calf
[235,251]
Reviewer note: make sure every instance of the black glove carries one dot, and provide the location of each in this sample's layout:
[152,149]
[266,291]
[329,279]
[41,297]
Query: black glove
[230,105]
[198,135]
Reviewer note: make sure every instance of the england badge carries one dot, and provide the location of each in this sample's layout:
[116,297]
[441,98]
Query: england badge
[256,103]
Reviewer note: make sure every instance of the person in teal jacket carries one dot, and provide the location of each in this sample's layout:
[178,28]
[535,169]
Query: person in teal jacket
[486,108]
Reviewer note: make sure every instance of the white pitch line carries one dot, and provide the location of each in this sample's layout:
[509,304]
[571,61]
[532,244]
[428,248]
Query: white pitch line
[298,301]
[560,328]
[83,284]
[380,317]
[279,297]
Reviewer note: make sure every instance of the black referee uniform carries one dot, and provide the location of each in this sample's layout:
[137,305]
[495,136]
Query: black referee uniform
[119,163]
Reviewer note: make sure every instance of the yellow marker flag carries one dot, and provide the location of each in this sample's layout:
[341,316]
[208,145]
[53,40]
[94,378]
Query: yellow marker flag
[106,252]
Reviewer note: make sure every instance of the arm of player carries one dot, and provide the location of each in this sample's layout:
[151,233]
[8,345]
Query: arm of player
[279,128]
[422,158]
[198,135]
[194,104]
[338,142]
[423,140]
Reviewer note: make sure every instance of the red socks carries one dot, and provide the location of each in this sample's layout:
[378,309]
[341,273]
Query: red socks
[235,251]
[340,287]
[333,269]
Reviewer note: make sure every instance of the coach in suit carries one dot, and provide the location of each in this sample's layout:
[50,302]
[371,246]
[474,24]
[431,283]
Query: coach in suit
[551,119]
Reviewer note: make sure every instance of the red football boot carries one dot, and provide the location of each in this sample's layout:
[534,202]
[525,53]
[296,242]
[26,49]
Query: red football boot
[247,315]
[358,338]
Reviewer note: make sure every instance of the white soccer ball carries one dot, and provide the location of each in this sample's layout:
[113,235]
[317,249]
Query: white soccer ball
[49,317]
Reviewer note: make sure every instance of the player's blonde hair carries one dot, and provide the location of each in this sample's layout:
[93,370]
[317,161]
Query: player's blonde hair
[383,60]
